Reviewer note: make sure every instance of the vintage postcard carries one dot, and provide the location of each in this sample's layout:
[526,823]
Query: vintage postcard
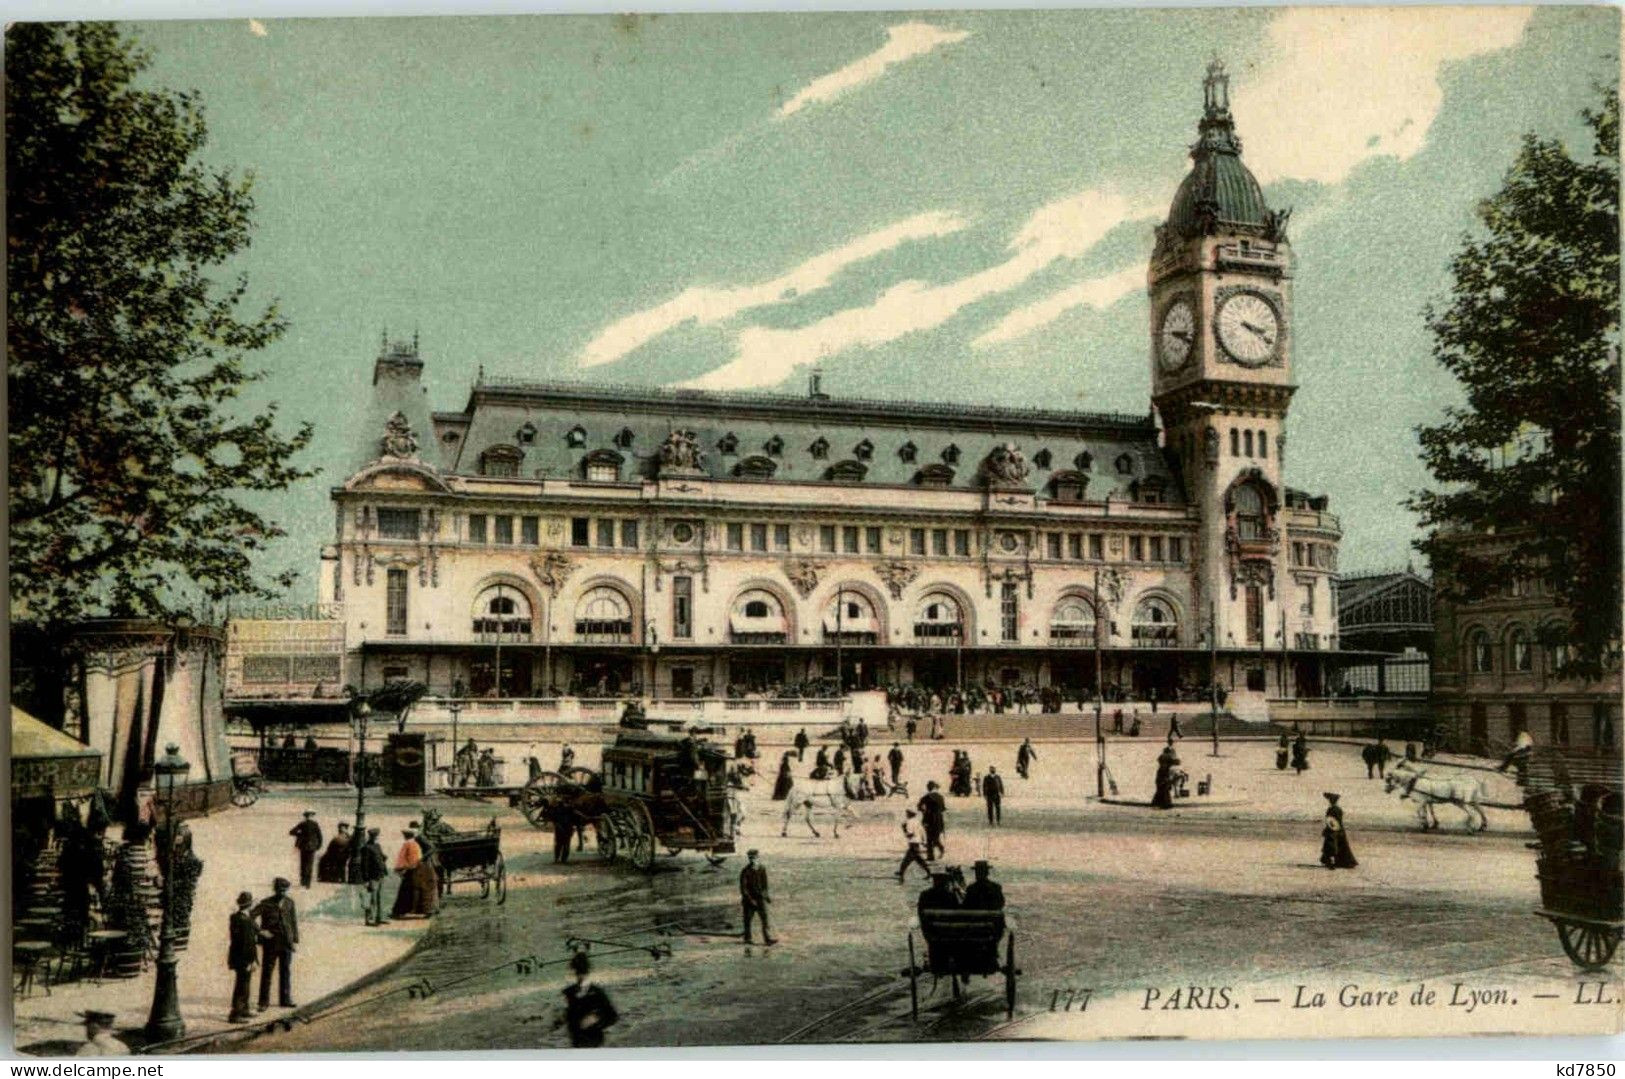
[649,531]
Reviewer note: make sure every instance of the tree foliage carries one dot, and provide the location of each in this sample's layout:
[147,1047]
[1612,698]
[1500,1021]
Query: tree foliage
[129,449]
[1531,331]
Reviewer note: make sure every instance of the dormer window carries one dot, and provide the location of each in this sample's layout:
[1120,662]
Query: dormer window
[602,466]
[1069,486]
[847,471]
[728,443]
[864,450]
[907,452]
[500,461]
[576,437]
[756,467]
[1153,491]
[1042,459]
[1084,461]
[526,435]
[819,449]
[774,446]
[624,439]
[950,456]
[1125,464]
[934,476]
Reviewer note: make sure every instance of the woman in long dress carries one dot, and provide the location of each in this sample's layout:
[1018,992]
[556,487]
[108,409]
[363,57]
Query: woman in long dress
[1282,749]
[1164,796]
[1335,852]
[782,785]
[1300,754]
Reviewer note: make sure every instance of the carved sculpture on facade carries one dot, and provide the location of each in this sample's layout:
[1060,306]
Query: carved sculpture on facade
[681,452]
[803,574]
[1006,466]
[1275,224]
[1113,581]
[897,576]
[398,440]
[552,569]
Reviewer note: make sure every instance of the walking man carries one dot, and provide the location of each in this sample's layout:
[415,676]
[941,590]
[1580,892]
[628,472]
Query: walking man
[587,1010]
[895,759]
[241,956]
[279,936]
[933,818]
[374,871]
[1173,721]
[993,792]
[911,836]
[753,897]
[307,840]
[802,742]
[1025,757]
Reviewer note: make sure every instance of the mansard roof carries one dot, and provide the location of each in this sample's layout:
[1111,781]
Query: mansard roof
[497,408]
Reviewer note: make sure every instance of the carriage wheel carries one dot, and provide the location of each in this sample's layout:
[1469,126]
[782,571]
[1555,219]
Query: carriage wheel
[913,981]
[539,796]
[605,829]
[715,860]
[502,881]
[243,797]
[1590,946]
[1010,973]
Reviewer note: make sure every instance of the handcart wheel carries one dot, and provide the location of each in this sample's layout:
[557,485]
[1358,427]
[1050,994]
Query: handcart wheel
[1590,946]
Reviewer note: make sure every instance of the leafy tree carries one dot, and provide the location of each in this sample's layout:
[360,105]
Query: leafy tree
[129,450]
[1532,333]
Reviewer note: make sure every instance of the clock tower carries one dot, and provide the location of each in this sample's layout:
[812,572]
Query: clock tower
[1221,366]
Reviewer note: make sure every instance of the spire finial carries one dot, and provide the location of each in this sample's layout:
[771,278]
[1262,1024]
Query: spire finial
[1216,89]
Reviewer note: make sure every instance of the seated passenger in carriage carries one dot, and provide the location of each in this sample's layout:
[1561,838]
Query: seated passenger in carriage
[939,896]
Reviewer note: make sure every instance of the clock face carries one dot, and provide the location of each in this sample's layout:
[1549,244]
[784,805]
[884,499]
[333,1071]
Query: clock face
[1249,329]
[1177,336]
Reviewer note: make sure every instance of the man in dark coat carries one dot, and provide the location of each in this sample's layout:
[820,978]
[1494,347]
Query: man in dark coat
[1025,757]
[895,759]
[334,865]
[564,828]
[587,1010]
[753,897]
[934,819]
[993,793]
[802,742]
[840,760]
[307,840]
[279,937]
[862,733]
[374,871]
[241,956]
[940,896]
[821,761]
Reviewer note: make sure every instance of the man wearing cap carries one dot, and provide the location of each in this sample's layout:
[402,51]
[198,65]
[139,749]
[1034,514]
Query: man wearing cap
[279,936]
[99,1040]
[587,1010]
[753,897]
[307,840]
[241,956]
[374,871]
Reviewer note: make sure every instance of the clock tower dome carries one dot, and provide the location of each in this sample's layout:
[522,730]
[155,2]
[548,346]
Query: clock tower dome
[1221,363]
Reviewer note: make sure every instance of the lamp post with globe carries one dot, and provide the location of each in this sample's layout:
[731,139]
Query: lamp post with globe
[360,710]
[164,1023]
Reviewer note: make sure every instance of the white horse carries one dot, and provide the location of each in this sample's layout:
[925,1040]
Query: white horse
[824,796]
[1428,790]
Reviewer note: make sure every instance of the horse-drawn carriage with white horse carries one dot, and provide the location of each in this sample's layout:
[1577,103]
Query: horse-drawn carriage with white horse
[1432,785]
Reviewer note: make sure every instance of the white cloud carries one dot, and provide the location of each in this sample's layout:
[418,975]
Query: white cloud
[1341,85]
[1064,229]
[1098,292]
[256,28]
[707,306]
[903,42]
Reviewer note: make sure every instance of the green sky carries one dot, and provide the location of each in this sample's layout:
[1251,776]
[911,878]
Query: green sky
[952,206]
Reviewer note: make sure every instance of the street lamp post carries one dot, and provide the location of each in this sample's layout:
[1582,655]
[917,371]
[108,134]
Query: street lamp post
[360,710]
[1213,670]
[1100,734]
[164,1023]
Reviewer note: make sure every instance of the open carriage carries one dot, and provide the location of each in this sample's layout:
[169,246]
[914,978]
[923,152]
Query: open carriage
[469,858]
[1575,805]
[961,944]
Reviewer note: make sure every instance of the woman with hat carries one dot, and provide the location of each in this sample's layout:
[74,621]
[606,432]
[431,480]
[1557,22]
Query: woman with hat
[99,1039]
[1335,852]
[782,785]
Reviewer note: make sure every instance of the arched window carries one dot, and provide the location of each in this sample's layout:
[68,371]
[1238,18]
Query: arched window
[526,434]
[907,452]
[1520,657]
[757,617]
[501,461]
[1073,621]
[850,615]
[1247,443]
[756,467]
[624,438]
[864,450]
[1263,445]
[576,436]
[603,615]
[1479,655]
[1069,486]
[728,443]
[1249,505]
[819,448]
[950,456]
[1042,459]
[1554,638]
[1235,442]
[502,612]
[1155,624]
[938,620]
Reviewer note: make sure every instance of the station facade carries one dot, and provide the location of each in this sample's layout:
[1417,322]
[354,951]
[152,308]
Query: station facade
[555,539]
